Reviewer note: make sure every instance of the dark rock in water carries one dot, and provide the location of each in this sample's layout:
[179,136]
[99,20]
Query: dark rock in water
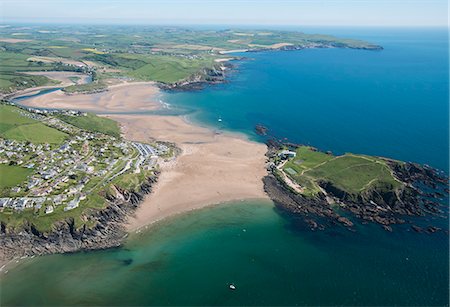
[432,229]
[416,228]
[261,130]
[127,262]
[345,221]
[387,228]
[312,224]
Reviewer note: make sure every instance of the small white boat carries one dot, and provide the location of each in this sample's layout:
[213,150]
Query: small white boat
[232,287]
[219,120]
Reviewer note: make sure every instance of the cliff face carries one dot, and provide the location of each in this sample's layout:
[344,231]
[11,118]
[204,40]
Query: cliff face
[199,80]
[108,230]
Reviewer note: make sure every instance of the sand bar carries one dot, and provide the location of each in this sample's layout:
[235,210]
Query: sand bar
[122,97]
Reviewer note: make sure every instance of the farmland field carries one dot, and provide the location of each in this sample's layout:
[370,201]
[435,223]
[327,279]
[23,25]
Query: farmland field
[94,123]
[17,127]
[12,175]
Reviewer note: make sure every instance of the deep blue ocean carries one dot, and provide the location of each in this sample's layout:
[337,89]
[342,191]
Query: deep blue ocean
[391,103]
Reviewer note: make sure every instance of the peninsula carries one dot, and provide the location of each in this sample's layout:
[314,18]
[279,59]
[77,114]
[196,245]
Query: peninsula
[326,189]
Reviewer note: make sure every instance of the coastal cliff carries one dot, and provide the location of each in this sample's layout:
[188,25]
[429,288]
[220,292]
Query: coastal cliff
[419,193]
[199,80]
[108,228]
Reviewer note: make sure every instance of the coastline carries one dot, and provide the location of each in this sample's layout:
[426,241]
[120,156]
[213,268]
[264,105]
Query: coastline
[213,167]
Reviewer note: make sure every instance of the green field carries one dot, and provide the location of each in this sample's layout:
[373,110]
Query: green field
[10,77]
[12,175]
[15,126]
[170,69]
[85,88]
[353,174]
[94,123]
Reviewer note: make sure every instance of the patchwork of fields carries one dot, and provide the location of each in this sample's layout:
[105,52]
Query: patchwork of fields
[159,54]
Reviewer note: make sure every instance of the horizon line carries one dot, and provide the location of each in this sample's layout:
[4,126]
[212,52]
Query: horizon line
[4,22]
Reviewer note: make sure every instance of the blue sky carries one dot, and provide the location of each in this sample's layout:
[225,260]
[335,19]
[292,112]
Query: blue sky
[264,12]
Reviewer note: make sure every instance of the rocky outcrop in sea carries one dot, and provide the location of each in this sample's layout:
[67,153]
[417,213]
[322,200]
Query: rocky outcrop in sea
[421,196]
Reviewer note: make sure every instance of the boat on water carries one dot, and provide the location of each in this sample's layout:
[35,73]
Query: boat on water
[232,287]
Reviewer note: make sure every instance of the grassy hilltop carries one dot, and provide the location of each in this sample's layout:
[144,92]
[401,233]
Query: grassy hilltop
[94,123]
[15,126]
[353,174]
[327,190]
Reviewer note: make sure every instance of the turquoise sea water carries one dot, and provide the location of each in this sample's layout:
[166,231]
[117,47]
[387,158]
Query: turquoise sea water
[392,103]
[191,260]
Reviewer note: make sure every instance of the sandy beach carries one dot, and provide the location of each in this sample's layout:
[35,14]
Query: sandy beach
[212,168]
[122,97]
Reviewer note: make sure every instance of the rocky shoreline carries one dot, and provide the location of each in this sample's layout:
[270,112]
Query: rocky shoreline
[387,208]
[199,80]
[108,231]
[219,72]
[323,45]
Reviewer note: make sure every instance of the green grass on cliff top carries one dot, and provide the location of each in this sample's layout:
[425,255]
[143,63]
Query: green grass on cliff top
[351,173]
[15,126]
[93,123]
[89,87]
[11,175]
[45,222]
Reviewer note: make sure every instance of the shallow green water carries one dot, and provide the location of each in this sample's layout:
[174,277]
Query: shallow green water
[191,259]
